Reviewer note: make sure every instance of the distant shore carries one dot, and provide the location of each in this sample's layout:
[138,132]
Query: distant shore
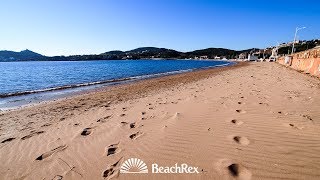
[138,53]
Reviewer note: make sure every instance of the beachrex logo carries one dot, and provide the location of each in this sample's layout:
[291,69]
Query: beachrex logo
[135,165]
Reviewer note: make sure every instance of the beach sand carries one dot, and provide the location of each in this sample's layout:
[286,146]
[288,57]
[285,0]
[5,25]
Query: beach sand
[249,121]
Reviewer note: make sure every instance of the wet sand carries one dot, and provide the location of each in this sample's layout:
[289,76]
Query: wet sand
[248,121]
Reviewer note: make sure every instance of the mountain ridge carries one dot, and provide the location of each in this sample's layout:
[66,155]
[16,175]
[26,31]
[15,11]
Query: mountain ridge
[137,53]
[24,55]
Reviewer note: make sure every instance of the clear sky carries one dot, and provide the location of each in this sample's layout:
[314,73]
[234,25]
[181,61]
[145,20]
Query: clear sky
[66,27]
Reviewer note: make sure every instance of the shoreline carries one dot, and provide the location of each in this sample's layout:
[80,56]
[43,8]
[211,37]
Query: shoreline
[70,91]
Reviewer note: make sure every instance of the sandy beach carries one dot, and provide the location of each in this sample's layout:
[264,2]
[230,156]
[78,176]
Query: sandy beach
[248,121]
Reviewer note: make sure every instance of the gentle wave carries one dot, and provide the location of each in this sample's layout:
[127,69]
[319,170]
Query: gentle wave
[106,81]
[63,87]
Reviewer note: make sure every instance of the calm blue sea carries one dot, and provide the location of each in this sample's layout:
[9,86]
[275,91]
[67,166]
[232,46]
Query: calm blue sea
[19,78]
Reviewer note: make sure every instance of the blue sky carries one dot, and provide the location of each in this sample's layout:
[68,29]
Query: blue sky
[66,27]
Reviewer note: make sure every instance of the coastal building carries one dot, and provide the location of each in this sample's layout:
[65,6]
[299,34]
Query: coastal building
[203,57]
[252,57]
[242,56]
[274,54]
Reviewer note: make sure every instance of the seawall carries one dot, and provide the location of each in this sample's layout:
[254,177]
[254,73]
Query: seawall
[306,61]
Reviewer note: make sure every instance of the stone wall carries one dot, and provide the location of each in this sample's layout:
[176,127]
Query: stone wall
[306,61]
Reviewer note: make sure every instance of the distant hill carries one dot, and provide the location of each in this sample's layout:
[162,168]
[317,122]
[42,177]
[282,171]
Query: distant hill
[113,53]
[143,52]
[25,55]
[138,53]
[213,52]
[154,52]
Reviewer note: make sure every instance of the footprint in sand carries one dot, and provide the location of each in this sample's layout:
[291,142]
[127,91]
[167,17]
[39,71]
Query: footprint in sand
[7,140]
[232,170]
[236,122]
[32,134]
[112,171]
[132,125]
[124,123]
[237,170]
[241,140]
[51,152]
[135,135]
[57,177]
[293,126]
[112,149]
[308,117]
[104,119]
[86,131]
[240,111]
[261,103]
[46,125]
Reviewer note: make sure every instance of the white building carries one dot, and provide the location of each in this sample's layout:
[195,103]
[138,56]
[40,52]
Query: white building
[242,56]
[252,57]
[203,57]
